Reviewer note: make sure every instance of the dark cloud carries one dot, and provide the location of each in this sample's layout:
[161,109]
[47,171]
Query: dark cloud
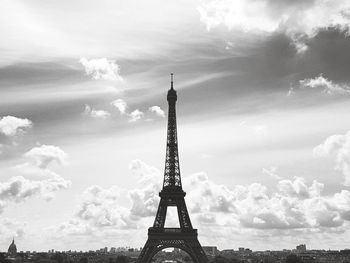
[328,53]
[40,73]
[254,74]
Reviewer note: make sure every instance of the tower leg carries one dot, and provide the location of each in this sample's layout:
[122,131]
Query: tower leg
[191,246]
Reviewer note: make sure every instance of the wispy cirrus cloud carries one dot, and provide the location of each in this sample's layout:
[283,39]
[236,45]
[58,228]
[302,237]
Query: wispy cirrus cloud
[272,171]
[324,84]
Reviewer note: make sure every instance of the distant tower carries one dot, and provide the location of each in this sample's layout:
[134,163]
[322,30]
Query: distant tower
[184,237]
[12,251]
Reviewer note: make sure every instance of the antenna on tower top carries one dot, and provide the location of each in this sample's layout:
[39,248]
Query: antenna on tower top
[172,80]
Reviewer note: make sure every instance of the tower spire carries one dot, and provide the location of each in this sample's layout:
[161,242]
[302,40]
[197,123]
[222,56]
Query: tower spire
[172,80]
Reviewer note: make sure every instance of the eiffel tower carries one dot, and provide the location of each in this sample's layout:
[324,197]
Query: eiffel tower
[184,237]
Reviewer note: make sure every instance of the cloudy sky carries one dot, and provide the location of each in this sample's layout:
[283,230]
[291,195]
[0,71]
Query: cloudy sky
[263,120]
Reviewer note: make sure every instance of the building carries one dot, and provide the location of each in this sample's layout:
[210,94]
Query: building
[210,250]
[12,251]
[301,248]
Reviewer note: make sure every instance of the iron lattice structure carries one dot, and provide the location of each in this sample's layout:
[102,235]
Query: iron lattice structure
[184,237]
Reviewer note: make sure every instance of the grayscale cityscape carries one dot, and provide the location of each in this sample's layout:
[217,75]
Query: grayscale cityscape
[199,131]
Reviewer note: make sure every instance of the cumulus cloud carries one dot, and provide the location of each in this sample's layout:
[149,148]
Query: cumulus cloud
[100,114]
[121,105]
[11,126]
[157,110]
[18,188]
[135,115]
[144,200]
[293,205]
[101,209]
[42,156]
[325,85]
[298,188]
[98,212]
[338,146]
[144,172]
[101,68]
[269,15]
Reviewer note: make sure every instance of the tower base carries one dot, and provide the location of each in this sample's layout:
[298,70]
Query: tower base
[161,238]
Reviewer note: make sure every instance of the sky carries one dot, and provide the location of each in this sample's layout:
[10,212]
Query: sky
[263,121]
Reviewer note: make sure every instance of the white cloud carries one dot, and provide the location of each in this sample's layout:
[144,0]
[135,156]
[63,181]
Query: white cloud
[268,16]
[327,86]
[101,68]
[44,155]
[298,188]
[295,205]
[135,115]
[19,188]
[121,105]
[145,199]
[144,172]
[10,125]
[101,209]
[157,110]
[100,114]
[338,146]
[292,207]
[99,212]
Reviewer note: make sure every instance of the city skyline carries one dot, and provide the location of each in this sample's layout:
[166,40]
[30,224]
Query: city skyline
[263,121]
